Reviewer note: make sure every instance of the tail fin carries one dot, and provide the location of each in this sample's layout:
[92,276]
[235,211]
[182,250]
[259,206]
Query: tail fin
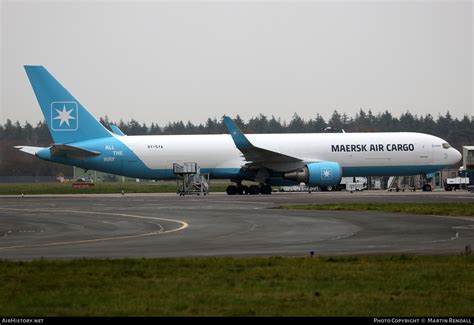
[67,119]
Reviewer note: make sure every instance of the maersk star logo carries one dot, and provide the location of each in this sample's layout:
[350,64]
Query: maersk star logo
[64,116]
[326,173]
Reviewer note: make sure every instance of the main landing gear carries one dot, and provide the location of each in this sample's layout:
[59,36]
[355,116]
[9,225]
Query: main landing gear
[240,189]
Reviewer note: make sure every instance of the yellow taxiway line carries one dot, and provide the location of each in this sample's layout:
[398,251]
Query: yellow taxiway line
[183,224]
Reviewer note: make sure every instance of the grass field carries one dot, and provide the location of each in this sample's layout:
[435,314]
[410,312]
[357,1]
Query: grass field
[445,209]
[343,286]
[112,187]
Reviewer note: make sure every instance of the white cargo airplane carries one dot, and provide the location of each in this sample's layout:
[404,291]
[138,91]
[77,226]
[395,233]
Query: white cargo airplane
[317,159]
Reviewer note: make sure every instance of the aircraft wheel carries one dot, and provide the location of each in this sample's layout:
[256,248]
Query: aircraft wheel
[231,190]
[245,189]
[329,188]
[254,190]
[426,188]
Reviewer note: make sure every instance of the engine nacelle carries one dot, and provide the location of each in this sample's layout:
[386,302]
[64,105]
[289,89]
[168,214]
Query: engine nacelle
[325,173]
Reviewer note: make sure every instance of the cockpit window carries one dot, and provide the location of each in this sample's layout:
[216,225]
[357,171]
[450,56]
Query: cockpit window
[446,145]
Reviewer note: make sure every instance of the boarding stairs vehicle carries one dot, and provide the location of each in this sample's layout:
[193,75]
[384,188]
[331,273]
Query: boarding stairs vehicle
[190,180]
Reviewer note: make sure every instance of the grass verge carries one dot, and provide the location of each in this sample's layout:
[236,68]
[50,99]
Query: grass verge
[445,209]
[343,286]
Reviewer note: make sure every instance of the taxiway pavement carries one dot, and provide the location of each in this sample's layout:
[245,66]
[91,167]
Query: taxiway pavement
[166,225]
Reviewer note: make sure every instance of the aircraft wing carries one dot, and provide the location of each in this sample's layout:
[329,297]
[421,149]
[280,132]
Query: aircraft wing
[260,157]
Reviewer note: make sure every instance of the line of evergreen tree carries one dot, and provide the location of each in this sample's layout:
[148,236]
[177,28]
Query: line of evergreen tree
[458,132]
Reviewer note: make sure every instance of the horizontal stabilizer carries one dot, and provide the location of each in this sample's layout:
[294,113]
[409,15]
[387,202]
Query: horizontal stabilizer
[71,151]
[29,150]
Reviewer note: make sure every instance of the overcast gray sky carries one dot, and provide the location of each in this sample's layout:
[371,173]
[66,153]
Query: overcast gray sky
[167,61]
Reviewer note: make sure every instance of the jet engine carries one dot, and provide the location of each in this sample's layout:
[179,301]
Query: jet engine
[325,173]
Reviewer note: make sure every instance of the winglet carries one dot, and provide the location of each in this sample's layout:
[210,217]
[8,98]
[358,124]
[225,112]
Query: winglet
[116,130]
[240,140]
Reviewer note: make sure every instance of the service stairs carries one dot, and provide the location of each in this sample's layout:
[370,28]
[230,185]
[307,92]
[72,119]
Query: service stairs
[391,182]
[189,179]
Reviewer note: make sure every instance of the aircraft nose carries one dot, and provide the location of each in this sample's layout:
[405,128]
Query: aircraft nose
[456,155]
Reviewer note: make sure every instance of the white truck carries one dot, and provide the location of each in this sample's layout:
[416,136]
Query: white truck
[456,183]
